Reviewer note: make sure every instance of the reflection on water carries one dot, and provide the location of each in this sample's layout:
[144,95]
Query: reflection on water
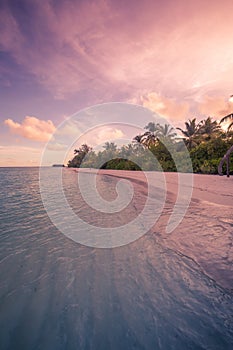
[151,294]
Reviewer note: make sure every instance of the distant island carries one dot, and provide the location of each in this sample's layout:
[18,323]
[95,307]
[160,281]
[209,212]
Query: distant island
[58,165]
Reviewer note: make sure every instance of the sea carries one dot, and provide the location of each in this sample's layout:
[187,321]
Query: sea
[59,294]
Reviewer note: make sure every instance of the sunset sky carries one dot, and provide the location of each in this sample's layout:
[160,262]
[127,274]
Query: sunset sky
[57,57]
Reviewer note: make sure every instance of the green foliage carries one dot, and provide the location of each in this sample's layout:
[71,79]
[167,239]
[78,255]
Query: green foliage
[207,155]
[164,157]
[81,153]
[159,148]
[209,166]
[120,164]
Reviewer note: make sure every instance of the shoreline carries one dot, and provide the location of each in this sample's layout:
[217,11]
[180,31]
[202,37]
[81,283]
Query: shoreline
[205,233]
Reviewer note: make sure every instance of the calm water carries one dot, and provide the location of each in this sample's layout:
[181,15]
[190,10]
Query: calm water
[57,294]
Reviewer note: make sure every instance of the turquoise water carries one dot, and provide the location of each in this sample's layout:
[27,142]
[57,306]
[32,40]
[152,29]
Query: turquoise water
[57,294]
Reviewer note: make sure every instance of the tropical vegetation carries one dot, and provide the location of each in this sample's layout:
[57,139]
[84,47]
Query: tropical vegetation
[161,147]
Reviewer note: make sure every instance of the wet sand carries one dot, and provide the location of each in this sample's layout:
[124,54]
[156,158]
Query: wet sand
[206,232]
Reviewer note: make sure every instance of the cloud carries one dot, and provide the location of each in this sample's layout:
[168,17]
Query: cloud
[32,128]
[15,155]
[11,37]
[57,146]
[108,133]
[68,128]
[215,106]
[96,137]
[165,107]
[61,55]
[101,134]
[93,47]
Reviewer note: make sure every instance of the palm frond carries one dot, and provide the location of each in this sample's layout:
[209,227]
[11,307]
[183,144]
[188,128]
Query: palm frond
[230,126]
[184,132]
[226,118]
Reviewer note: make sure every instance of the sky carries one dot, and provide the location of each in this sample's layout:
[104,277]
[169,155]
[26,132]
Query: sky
[58,57]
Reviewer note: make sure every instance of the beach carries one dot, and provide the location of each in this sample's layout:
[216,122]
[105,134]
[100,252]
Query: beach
[205,232]
[165,290]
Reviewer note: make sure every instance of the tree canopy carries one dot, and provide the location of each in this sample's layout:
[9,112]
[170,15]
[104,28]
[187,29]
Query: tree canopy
[206,142]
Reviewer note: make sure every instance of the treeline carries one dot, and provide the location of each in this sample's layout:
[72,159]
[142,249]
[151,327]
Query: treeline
[161,148]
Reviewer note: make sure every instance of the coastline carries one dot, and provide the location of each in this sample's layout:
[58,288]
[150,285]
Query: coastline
[205,233]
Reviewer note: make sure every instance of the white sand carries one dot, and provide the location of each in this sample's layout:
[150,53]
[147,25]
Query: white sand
[206,232]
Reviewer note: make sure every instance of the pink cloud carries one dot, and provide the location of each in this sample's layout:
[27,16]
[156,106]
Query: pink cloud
[32,128]
[101,134]
[11,39]
[215,106]
[95,46]
[165,107]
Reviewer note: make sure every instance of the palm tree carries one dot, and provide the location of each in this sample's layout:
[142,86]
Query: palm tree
[166,131]
[209,128]
[83,149]
[80,154]
[227,118]
[226,159]
[155,131]
[151,126]
[148,139]
[190,133]
[110,146]
[127,151]
[137,139]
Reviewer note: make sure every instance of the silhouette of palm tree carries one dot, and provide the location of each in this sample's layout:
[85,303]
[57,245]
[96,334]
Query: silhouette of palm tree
[190,133]
[227,118]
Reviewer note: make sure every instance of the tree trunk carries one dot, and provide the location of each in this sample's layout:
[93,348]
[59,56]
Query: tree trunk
[226,159]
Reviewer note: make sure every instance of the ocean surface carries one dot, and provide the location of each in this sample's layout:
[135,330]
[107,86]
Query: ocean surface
[160,292]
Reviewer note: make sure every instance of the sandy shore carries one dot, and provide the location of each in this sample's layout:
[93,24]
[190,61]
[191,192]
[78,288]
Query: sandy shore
[211,188]
[206,231]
